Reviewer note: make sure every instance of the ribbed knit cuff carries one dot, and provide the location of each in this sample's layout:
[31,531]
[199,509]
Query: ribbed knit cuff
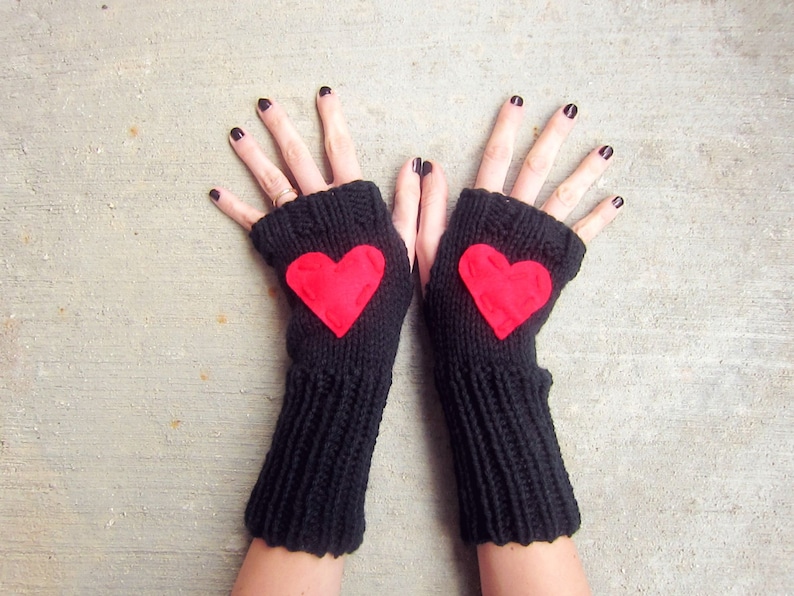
[512,483]
[310,493]
[311,490]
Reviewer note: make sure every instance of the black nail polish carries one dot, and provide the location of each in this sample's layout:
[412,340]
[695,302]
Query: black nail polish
[416,166]
[264,104]
[215,194]
[606,151]
[570,111]
[618,202]
[427,167]
[324,91]
[237,134]
[517,100]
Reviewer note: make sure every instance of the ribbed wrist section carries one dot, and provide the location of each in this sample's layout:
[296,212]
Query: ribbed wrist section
[512,483]
[310,493]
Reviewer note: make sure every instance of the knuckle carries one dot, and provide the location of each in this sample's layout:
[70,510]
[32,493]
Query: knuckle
[271,181]
[567,195]
[498,152]
[338,145]
[537,164]
[293,153]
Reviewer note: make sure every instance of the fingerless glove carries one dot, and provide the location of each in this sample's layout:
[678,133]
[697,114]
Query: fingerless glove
[500,268]
[346,275]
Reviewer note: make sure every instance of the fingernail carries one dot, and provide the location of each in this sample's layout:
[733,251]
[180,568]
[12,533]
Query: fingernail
[264,104]
[517,100]
[417,165]
[427,167]
[606,151]
[324,91]
[570,110]
[618,202]
[215,194]
[237,134]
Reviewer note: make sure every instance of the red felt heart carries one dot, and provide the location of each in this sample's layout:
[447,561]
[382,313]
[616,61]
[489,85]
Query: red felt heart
[337,292]
[506,295]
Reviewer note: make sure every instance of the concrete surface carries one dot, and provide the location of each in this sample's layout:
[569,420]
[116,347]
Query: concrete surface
[141,339]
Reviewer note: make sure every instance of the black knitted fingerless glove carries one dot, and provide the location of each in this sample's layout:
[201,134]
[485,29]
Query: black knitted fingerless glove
[346,274]
[500,268]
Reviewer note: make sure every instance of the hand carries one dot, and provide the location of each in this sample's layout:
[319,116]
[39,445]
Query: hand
[493,171]
[271,569]
[341,155]
[522,525]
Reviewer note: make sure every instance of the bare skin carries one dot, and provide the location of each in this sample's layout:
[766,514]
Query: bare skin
[540,568]
[275,570]
[419,215]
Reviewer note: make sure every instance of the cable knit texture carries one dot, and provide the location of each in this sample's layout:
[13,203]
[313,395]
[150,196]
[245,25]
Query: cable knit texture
[512,483]
[310,493]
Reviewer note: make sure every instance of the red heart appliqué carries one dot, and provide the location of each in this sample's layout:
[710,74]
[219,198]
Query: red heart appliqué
[337,292]
[505,294]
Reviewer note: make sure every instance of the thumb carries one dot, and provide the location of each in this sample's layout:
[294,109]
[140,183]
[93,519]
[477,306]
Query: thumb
[432,217]
[405,211]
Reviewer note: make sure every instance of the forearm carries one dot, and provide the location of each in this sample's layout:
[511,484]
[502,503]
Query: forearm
[277,571]
[489,284]
[538,569]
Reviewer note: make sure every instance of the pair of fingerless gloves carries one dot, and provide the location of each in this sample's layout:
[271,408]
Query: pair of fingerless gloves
[500,267]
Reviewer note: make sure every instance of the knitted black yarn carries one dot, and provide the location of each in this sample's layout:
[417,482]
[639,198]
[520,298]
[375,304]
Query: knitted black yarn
[310,493]
[512,483]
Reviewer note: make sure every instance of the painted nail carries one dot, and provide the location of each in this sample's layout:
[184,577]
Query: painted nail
[215,194]
[416,166]
[517,100]
[570,111]
[618,202]
[324,91]
[264,104]
[427,167]
[237,134]
[606,151]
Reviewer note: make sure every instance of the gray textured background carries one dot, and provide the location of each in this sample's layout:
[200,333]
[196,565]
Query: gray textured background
[141,338]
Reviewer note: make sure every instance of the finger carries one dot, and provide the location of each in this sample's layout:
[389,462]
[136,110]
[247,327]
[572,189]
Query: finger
[591,224]
[242,213]
[538,162]
[296,154]
[568,194]
[432,218]
[405,213]
[338,143]
[499,150]
[272,180]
